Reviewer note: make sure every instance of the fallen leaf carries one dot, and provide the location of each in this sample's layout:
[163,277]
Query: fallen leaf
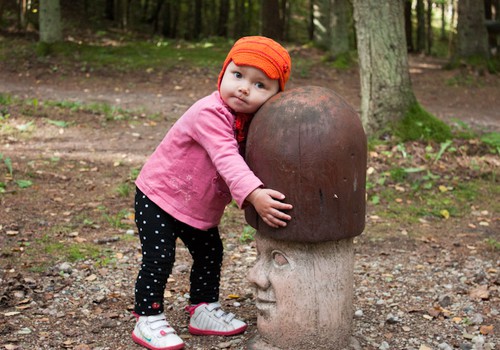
[91,278]
[233,296]
[435,311]
[485,330]
[445,213]
[480,292]
[12,313]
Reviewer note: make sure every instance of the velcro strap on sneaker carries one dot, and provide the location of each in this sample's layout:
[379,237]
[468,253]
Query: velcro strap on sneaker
[159,322]
[219,313]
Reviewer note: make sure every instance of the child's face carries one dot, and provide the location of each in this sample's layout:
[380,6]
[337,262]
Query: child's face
[245,88]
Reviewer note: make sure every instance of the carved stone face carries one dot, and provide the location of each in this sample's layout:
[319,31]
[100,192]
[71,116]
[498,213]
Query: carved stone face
[303,291]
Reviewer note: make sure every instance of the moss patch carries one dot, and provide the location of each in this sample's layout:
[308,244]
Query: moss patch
[418,124]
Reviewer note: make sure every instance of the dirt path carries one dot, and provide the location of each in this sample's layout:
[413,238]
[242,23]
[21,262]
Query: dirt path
[450,95]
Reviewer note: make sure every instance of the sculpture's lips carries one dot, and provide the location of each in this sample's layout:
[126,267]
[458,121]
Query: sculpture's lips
[263,304]
[260,300]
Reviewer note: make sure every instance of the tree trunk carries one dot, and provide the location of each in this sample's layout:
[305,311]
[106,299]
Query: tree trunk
[409,25]
[386,92]
[341,14]
[109,10]
[491,11]
[121,12]
[332,25]
[429,28]
[443,21]
[310,27]
[272,19]
[472,36]
[2,7]
[224,10]
[197,25]
[22,10]
[452,25]
[239,13]
[420,26]
[155,16]
[50,21]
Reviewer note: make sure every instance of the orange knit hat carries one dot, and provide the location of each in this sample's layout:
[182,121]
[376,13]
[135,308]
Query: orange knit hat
[262,53]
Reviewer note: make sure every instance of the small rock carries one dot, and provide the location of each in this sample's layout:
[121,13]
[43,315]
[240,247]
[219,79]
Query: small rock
[445,301]
[108,324]
[182,268]
[358,313]
[444,346]
[230,247]
[384,346]
[477,319]
[478,342]
[391,319]
[82,347]
[468,336]
[465,347]
[24,330]
[480,277]
[99,298]
[224,345]
[65,267]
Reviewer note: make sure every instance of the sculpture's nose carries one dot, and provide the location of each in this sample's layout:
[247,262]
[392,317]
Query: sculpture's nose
[258,275]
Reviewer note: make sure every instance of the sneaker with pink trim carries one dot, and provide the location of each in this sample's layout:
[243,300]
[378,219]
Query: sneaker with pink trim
[209,319]
[154,333]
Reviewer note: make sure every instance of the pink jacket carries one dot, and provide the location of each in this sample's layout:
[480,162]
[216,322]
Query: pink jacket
[197,168]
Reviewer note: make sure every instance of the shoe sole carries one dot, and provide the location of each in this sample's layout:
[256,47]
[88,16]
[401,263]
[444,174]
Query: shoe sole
[197,331]
[151,347]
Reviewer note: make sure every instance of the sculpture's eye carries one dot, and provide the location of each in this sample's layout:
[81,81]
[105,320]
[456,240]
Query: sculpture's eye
[279,258]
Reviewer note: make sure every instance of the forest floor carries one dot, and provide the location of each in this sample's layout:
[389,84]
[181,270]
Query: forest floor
[69,253]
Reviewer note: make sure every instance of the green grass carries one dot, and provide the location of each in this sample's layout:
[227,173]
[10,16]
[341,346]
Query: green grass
[431,201]
[121,56]
[130,55]
[46,251]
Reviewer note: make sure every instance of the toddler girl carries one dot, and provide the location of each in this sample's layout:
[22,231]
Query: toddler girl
[187,182]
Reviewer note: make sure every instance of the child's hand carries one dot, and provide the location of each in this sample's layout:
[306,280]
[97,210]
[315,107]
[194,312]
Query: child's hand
[267,204]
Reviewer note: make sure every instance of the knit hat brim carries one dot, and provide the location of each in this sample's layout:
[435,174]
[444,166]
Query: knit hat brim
[262,53]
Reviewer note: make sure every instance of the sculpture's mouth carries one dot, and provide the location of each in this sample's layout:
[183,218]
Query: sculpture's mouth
[264,305]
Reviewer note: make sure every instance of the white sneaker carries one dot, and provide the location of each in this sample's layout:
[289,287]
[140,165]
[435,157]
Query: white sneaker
[154,332]
[209,319]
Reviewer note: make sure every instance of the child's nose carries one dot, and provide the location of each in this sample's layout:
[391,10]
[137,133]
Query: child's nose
[243,89]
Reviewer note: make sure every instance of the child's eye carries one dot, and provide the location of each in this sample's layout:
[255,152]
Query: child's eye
[260,86]
[237,75]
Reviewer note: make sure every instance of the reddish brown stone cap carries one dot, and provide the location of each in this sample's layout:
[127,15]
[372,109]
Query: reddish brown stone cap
[309,144]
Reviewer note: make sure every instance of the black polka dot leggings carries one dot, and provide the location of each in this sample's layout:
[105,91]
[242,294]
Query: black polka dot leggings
[158,232]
